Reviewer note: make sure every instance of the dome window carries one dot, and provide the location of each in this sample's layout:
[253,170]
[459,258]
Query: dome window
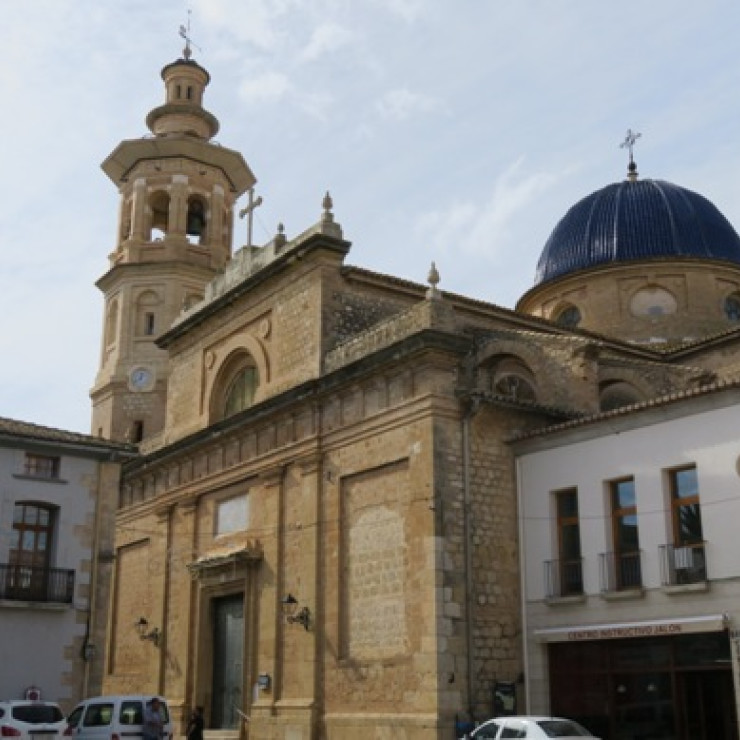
[569,317]
[732,307]
[653,301]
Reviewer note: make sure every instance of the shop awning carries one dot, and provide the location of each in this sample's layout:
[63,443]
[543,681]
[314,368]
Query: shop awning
[619,631]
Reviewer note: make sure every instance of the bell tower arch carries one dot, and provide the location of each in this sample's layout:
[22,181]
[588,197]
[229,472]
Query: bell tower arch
[176,213]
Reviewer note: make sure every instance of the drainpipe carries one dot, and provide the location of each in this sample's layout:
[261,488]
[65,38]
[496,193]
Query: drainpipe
[523,582]
[474,405]
[91,626]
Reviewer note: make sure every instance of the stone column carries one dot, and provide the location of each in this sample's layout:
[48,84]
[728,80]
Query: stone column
[139,226]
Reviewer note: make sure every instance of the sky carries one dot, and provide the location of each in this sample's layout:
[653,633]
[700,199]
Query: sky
[454,132]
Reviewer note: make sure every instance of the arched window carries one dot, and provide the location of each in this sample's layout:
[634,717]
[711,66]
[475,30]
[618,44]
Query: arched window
[236,386]
[159,204]
[615,394]
[568,317]
[190,300]
[732,307]
[511,378]
[195,227]
[653,301]
[146,314]
[240,391]
[111,323]
[514,387]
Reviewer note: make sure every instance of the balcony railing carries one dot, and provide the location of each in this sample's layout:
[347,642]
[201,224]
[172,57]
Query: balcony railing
[26,583]
[683,564]
[563,578]
[620,571]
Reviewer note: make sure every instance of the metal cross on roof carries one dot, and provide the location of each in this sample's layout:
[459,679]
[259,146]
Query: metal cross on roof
[248,211]
[185,33]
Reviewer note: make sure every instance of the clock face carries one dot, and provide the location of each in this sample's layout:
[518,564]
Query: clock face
[141,378]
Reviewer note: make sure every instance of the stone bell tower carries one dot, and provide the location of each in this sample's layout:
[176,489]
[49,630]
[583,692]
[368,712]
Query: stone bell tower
[174,234]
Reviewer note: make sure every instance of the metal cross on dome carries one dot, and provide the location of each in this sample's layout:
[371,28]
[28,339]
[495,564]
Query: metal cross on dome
[629,142]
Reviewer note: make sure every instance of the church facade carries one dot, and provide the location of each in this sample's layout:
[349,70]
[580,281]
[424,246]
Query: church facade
[320,536]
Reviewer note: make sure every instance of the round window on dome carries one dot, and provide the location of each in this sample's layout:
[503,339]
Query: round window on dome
[568,316]
[732,307]
[653,302]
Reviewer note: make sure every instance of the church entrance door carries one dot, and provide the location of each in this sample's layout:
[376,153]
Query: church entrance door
[228,661]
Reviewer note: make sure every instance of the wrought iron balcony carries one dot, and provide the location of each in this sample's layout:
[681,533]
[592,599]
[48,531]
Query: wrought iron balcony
[620,571]
[683,564]
[563,578]
[26,583]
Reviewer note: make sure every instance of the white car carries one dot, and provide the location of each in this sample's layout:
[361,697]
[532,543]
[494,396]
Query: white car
[23,719]
[529,728]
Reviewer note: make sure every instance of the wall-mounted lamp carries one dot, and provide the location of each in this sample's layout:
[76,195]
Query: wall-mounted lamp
[89,651]
[142,627]
[302,616]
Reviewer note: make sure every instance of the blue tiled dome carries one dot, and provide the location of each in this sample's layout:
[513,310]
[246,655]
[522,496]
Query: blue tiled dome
[637,220]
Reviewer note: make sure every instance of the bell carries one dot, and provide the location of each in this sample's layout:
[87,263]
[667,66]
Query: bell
[196,221]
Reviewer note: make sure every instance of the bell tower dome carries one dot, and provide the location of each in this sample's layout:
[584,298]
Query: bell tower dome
[176,212]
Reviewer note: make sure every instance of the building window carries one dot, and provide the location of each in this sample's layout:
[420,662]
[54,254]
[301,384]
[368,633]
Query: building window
[41,466]
[616,394]
[570,575]
[232,515]
[686,561]
[159,206]
[687,528]
[147,304]
[514,387]
[30,546]
[241,390]
[511,378]
[195,223]
[137,431]
[625,537]
[732,307]
[569,317]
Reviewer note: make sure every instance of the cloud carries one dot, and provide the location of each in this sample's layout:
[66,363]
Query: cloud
[268,87]
[484,229]
[326,38]
[254,21]
[409,10]
[401,104]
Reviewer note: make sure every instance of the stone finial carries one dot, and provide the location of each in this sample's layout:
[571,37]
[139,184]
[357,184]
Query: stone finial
[280,238]
[327,205]
[433,280]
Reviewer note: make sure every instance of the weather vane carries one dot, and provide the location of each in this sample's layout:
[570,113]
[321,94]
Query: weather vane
[185,33]
[629,144]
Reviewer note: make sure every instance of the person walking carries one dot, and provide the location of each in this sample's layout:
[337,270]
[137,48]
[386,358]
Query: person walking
[153,725]
[195,726]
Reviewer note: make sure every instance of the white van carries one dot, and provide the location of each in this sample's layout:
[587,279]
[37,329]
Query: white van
[114,718]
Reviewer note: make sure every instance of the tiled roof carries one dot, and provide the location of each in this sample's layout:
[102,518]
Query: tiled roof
[637,220]
[37,433]
[631,409]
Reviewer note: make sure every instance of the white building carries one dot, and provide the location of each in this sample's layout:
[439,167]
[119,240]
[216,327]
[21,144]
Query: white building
[58,493]
[631,567]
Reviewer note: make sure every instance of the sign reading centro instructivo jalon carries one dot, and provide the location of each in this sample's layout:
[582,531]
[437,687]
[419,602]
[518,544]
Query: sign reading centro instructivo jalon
[653,628]
[614,633]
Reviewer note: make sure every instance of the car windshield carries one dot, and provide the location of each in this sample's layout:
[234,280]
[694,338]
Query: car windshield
[37,714]
[563,728]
